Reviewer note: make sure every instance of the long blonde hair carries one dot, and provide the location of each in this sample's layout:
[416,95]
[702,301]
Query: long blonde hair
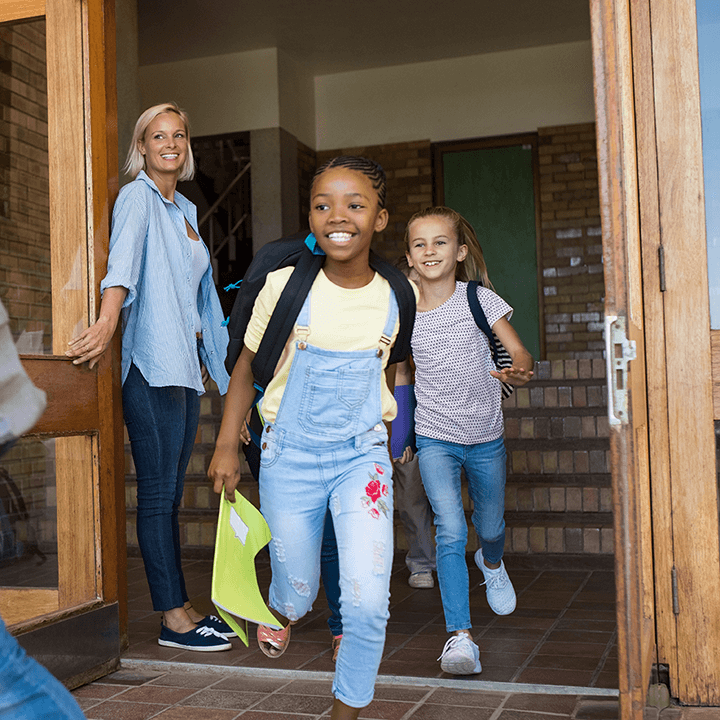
[473,267]
[136,160]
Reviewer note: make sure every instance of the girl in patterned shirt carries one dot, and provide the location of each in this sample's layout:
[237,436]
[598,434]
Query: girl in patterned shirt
[458,420]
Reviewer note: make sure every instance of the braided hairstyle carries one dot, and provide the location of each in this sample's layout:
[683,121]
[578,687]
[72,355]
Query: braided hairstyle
[473,267]
[369,168]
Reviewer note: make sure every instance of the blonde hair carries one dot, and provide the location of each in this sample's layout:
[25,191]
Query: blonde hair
[473,267]
[136,160]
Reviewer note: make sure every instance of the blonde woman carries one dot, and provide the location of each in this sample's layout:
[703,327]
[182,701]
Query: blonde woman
[159,279]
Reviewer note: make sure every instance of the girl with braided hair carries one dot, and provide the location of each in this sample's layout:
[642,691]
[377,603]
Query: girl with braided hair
[324,443]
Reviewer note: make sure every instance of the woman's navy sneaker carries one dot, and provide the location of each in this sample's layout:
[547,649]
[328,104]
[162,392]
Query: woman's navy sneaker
[218,624]
[202,639]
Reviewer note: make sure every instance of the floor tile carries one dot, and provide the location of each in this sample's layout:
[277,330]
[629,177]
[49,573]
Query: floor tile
[429,711]
[123,711]
[301,704]
[561,704]
[186,713]
[226,699]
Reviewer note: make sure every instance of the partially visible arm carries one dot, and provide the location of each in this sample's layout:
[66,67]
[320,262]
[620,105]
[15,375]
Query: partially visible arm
[92,343]
[522,363]
[224,468]
[390,371]
[127,241]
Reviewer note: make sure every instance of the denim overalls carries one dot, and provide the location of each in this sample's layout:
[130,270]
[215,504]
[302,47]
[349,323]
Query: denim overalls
[328,447]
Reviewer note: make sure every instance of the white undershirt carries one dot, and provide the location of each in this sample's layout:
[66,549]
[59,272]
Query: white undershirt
[200,264]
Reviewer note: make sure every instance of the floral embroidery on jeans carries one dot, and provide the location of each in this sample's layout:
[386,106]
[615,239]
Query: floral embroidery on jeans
[376,490]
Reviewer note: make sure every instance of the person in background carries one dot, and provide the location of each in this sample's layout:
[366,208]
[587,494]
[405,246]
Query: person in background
[159,279]
[410,498]
[27,690]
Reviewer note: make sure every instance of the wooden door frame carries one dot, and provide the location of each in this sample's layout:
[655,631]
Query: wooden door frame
[649,148]
[82,139]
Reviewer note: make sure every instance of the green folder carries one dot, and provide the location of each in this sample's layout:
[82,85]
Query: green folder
[241,533]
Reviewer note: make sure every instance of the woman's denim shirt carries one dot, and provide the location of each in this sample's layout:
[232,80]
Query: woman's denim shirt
[150,255]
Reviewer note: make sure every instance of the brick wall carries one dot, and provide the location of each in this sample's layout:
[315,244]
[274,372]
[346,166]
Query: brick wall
[573,284]
[24,189]
[558,495]
[408,167]
[558,499]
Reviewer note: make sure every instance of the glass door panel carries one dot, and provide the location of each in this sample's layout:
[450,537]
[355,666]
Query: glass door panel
[24,186]
[708,22]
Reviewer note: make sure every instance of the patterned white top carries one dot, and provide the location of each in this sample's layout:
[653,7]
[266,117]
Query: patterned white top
[457,398]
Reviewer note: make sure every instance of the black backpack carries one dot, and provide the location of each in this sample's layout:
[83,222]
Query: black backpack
[296,250]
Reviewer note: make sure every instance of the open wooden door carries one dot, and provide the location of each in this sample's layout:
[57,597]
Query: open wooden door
[625,349]
[663,446]
[60,591]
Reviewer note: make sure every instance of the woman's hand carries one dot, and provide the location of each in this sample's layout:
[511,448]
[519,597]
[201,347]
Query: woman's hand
[224,471]
[90,344]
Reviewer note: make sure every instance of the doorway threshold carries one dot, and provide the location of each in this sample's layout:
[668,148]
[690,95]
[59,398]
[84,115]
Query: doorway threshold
[463,683]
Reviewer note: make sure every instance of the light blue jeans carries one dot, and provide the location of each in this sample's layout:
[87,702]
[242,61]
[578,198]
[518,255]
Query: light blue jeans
[485,469]
[27,690]
[353,480]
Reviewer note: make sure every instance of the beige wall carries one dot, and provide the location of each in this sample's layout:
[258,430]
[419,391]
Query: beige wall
[478,96]
[296,98]
[222,94]
[482,95]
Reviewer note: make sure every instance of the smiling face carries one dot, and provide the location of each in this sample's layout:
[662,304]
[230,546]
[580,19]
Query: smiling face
[164,146]
[433,248]
[344,214]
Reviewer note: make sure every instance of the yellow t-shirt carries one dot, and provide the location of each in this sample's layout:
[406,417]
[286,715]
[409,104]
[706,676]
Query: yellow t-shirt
[340,319]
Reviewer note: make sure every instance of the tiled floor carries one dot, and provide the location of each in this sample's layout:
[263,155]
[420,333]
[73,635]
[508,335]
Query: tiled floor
[562,632]
[554,658]
[137,695]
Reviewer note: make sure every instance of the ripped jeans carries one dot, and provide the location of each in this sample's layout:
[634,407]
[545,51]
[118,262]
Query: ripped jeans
[299,480]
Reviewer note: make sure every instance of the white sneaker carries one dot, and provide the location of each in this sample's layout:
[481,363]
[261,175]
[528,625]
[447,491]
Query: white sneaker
[498,588]
[460,656]
[423,579]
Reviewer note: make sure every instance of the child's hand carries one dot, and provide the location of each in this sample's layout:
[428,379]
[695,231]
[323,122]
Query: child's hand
[513,375]
[224,471]
[407,456]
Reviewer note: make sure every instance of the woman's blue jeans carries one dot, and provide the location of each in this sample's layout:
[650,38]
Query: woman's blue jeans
[485,469]
[162,423]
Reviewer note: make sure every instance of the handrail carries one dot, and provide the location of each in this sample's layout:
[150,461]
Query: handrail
[223,195]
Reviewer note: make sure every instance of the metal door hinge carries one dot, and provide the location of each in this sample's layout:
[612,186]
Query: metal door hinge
[619,351]
[661,267]
[675,601]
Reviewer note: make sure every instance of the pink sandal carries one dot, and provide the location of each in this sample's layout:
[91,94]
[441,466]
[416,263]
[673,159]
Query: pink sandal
[273,643]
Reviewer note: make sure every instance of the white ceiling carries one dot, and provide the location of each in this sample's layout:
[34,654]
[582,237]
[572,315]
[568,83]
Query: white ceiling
[332,36]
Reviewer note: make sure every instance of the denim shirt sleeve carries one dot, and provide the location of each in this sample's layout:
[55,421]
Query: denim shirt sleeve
[127,240]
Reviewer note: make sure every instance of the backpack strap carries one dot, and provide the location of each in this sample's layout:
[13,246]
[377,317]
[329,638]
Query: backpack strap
[480,320]
[283,318]
[500,356]
[406,305]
